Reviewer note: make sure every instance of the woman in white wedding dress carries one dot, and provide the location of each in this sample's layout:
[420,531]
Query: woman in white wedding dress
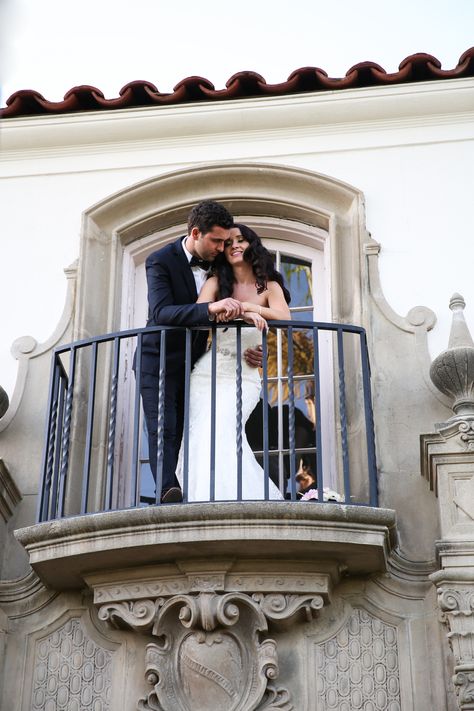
[245,271]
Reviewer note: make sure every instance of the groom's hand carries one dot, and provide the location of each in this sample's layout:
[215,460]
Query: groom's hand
[254,357]
[228,309]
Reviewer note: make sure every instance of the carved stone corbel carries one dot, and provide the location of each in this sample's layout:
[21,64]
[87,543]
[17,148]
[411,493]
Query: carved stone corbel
[208,655]
[210,645]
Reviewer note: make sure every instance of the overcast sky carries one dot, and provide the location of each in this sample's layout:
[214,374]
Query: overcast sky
[53,45]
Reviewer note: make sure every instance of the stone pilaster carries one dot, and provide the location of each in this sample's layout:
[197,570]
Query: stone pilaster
[456,602]
[448,463]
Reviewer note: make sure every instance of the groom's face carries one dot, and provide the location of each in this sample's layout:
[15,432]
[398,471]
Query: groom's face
[208,245]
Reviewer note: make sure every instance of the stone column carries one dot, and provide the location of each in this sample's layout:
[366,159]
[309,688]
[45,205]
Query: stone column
[448,463]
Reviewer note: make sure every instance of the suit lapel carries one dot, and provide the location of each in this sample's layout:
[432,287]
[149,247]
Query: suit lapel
[185,272]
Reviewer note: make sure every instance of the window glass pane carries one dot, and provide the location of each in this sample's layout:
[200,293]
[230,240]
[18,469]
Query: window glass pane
[297,275]
[303,353]
[297,315]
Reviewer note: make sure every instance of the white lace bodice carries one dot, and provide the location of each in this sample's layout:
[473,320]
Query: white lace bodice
[227,352]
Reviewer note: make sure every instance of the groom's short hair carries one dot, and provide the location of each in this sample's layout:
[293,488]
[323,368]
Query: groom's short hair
[208,214]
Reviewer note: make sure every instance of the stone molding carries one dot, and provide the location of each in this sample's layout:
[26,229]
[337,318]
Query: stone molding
[10,497]
[418,321]
[357,539]
[347,119]
[28,590]
[25,348]
[245,188]
[132,597]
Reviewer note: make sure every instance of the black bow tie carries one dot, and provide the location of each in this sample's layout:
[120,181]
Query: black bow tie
[196,262]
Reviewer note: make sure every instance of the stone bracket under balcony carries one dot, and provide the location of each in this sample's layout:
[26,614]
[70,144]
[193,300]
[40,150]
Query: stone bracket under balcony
[340,539]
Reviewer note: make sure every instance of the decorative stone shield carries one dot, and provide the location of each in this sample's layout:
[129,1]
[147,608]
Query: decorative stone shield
[211,666]
[209,655]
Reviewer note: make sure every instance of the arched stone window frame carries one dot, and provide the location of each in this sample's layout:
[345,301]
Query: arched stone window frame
[261,190]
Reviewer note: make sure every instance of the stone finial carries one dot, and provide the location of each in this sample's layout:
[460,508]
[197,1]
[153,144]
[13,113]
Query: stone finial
[452,371]
[3,401]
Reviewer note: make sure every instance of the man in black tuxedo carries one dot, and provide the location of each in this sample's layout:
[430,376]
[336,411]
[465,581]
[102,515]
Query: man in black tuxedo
[175,275]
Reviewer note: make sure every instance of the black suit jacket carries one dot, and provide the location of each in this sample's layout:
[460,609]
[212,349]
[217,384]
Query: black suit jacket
[171,302]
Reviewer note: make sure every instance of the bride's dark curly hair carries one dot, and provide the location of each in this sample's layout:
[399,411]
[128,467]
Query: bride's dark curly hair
[260,260]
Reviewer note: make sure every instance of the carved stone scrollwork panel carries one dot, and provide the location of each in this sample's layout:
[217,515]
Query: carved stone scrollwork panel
[209,655]
[71,671]
[359,667]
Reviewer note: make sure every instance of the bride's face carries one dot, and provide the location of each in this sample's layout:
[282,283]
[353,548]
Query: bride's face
[235,246]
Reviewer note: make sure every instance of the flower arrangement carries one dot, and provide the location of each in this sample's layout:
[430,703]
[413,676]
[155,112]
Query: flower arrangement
[328,495]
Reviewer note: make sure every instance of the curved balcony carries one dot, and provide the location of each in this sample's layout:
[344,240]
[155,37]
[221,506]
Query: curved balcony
[315,411]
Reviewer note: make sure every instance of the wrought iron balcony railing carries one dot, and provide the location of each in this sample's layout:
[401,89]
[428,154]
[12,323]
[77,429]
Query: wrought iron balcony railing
[315,415]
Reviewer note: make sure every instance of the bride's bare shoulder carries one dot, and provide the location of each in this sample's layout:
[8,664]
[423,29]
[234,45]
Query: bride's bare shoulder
[274,287]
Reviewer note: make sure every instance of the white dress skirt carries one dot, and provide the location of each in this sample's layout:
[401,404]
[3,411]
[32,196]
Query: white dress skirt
[226,419]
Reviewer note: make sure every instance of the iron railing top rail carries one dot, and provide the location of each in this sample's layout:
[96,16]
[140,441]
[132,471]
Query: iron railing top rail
[129,333]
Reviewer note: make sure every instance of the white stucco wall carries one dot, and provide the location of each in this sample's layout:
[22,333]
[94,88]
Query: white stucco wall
[409,149]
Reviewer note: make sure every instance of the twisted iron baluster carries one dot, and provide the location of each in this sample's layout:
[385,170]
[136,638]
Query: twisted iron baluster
[161,417]
[51,445]
[86,472]
[58,481]
[212,463]
[46,464]
[291,415]
[343,414]
[187,388]
[136,423]
[317,406]
[112,425]
[67,420]
[266,465]
[238,394]
[56,508]
[369,421]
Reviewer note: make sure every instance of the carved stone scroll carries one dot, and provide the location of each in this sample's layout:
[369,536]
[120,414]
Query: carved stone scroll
[457,612]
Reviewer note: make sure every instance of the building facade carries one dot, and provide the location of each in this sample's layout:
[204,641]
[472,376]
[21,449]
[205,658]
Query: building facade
[362,191]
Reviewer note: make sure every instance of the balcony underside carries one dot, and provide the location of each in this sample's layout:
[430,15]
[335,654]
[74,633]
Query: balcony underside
[352,540]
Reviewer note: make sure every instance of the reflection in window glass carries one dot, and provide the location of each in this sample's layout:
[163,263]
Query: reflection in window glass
[303,356]
[297,275]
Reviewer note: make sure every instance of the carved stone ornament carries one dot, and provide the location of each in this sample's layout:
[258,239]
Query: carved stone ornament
[466,432]
[452,372]
[209,655]
[457,610]
[210,647]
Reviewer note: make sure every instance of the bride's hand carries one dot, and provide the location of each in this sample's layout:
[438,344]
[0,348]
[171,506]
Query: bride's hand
[257,320]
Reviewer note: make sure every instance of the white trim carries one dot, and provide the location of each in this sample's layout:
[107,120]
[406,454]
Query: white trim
[351,119]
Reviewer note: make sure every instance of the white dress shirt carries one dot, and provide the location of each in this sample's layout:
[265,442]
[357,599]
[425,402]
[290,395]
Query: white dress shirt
[199,274]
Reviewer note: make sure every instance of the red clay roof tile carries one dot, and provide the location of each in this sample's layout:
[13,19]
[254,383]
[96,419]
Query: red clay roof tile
[246,84]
